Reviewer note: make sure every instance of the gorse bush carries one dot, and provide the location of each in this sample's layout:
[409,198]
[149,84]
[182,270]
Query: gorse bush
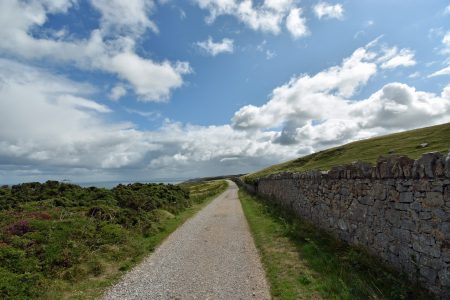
[54,231]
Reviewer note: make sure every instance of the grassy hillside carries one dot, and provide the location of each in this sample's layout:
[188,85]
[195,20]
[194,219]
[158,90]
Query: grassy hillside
[407,143]
[62,241]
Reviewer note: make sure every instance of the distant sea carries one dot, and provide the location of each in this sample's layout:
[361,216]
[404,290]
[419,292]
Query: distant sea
[111,184]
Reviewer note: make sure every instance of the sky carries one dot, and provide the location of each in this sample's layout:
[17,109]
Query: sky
[105,90]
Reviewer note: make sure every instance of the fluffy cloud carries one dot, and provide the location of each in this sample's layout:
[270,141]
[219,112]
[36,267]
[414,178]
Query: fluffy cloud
[215,48]
[315,112]
[47,119]
[327,10]
[50,127]
[447,10]
[441,72]
[394,58]
[399,106]
[126,17]
[310,97]
[266,17]
[152,81]
[109,48]
[296,24]
[117,92]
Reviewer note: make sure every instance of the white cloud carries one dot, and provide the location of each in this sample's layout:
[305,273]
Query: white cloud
[447,10]
[316,112]
[270,54]
[215,48]
[152,81]
[446,42]
[266,17]
[296,24]
[50,127]
[117,92]
[441,72]
[445,51]
[127,17]
[108,48]
[77,102]
[327,10]
[414,75]
[150,115]
[46,120]
[394,58]
[310,97]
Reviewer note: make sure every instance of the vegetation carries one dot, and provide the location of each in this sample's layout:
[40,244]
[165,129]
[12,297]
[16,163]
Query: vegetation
[61,241]
[302,262]
[406,143]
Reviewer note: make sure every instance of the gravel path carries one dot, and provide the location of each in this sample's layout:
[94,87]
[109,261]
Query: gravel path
[211,256]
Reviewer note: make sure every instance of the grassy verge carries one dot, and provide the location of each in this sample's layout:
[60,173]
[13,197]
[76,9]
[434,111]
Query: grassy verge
[302,262]
[201,194]
[405,143]
[61,241]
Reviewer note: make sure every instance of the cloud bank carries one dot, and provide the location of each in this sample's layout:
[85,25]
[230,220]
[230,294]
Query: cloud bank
[109,48]
[63,130]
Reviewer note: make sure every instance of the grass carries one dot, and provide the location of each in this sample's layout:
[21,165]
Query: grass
[201,193]
[405,143]
[61,241]
[302,262]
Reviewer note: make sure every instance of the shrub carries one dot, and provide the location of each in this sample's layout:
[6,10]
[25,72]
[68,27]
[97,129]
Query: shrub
[19,228]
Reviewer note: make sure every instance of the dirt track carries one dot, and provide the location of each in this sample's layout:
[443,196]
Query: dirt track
[211,256]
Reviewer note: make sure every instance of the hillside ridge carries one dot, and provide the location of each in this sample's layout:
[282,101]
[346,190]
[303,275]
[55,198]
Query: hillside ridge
[411,143]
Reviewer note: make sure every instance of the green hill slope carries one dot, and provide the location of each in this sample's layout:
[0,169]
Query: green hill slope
[406,143]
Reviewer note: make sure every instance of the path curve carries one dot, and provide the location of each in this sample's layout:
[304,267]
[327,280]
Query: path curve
[211,256]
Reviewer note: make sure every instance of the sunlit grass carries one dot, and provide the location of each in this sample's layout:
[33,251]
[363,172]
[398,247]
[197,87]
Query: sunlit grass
[405,143]
[302,262]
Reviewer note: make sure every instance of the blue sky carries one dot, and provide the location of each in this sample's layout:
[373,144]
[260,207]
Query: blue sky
[143,89]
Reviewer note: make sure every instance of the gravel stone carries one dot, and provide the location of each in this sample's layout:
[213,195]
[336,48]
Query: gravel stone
[211,256]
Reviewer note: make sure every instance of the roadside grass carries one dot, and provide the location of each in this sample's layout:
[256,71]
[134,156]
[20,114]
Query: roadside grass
[76,246]
[405,143]
[302,262]
[201,194]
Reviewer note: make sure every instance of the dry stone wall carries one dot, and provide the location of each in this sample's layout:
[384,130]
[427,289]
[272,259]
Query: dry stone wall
[398,209]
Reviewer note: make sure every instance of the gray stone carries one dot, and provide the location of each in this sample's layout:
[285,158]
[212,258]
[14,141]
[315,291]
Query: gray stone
[416,206]
[433,199]
[430,262]
[444,277]
[366,200]
[393,217]
[425,166]
[401,206]
[424,245]
[424,215]
[445,229]
[428,274]
[402,235]
[409,225]
[447,165]
[406,197]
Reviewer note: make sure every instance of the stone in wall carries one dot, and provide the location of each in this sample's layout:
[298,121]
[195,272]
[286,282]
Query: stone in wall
[398,209]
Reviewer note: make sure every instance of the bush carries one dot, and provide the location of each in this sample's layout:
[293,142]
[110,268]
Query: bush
[53,230]
[113,234]
[20,286]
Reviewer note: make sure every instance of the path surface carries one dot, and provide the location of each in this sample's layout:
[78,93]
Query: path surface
[211,256]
